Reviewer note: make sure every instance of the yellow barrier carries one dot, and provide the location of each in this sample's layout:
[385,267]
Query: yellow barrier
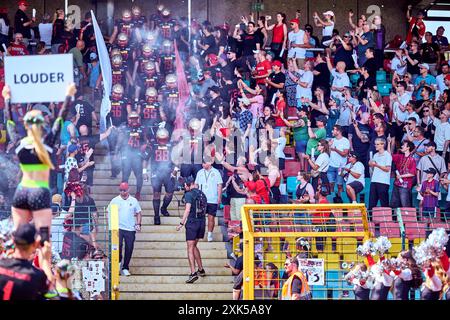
[115,276]
[282,224]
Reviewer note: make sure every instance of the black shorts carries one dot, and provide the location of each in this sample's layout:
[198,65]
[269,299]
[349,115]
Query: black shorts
[282,163]
[357,186]
[195,229]
[32,199]
[211,209]
[163,180]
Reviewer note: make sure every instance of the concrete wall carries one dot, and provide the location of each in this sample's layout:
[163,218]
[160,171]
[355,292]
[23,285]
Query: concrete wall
[220,11]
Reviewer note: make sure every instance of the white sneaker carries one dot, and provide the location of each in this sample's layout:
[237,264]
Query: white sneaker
[210,237]
[126,273]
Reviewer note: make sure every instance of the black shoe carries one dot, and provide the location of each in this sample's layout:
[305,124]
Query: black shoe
[192,278]
[157,221]
[164,212]
[201,273]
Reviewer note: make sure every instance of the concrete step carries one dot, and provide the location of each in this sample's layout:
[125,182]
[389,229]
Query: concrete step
[171,270]
[199,286]
[108,181]
[180,262]
[138,245]
[145,204]
[179,279]
[168,229]
[180,236]
[112,190]
[158,254]
[178,295]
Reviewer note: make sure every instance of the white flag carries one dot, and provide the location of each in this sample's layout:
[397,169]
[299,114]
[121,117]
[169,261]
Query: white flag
[105,65]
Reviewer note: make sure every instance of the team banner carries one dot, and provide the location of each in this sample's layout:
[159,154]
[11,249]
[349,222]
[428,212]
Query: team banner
[105,66]
[45,81]
[314,271]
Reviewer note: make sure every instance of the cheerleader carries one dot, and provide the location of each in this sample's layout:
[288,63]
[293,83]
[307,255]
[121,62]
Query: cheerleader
[444,275]
[406,276]
[32,197]
[360,277]
[431,289]
[382,278]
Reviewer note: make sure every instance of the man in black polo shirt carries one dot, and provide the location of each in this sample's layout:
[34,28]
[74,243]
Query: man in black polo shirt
[19,279]
[194,222]
[250,42]
[22,23]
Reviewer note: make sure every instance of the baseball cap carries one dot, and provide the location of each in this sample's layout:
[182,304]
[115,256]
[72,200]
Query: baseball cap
[424,65]
[72,148]
[277,63]
[271,53]
[124,186]
[25,234]
[93,56]
[352,154]
[321,119]
[23,3]
[431,170]
[295,21]
[430,144]
[189,180]
[329,12]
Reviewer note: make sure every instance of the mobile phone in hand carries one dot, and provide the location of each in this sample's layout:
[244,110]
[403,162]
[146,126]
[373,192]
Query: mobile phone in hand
[45,235]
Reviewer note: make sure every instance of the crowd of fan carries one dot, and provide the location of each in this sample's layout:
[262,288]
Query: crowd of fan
[261,84]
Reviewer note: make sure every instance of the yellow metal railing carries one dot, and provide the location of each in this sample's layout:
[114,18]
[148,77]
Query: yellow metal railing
[115,276]
[267,223]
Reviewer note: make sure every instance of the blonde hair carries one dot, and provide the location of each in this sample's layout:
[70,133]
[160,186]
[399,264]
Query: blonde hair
[36,134]
[442,275]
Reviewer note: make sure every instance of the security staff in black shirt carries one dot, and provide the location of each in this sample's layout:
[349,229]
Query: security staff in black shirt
[22,23]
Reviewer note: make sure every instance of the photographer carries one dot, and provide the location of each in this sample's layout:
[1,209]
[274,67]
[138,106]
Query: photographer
[19,279]
[194,222]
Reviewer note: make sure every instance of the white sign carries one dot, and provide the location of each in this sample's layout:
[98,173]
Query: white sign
[39,78]
[314,271]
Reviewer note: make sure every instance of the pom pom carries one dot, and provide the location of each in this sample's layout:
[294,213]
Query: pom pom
[365,249]
[382,245]
[423,253]
[437,241]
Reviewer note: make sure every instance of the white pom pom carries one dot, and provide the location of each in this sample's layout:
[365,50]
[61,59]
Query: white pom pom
[382,245]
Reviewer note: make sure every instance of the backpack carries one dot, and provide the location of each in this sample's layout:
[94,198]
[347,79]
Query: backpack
[200,204]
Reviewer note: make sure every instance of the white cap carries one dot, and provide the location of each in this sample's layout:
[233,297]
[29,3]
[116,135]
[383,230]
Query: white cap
[329,13]
[424,65]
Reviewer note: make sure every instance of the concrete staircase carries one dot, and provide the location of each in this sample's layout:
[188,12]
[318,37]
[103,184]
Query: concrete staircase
[159,265]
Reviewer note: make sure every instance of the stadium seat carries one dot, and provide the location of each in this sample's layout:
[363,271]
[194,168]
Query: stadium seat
[326,247]
[390,229]
[277,259]
[332,261]
[417,241]
[434,225]
[414,230]
[319,292]
[291,186]
[381,76]
[346,245]
[350,258]
[333,279]
[384,88]
[289,152]
[372,228]
[408,214]
[292,168]
[381,214]
[396,246]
